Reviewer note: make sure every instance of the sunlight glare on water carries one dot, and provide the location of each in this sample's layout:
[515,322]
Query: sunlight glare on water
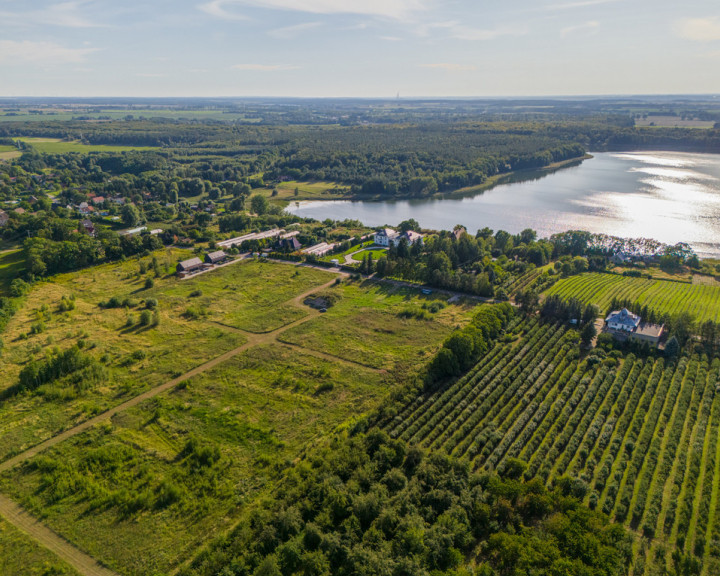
[670,196]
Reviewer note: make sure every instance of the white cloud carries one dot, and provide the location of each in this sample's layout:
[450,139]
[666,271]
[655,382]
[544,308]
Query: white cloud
[699,29]
[395,9]
[41,52]
[450,66]
[63,14]
[467,33]
[264,67]
[591,26]
[217,8]
[293,31]
[578,4]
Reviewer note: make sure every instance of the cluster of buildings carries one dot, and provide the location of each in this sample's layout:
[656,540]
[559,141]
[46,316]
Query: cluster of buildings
[194,265]
[624,325]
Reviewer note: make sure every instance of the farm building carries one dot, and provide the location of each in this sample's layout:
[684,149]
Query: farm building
[215,257]
[189,266]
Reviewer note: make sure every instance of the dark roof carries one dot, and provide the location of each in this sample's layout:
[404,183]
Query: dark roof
[189,264]
[213,257]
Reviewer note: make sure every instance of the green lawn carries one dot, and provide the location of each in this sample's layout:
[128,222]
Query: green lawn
[22,556]
[366,326]
[134,496]
[702,301]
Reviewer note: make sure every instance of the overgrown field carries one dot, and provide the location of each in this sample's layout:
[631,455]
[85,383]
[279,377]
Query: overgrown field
[641,434]
[380,325]
[702,301]
[20,555]
[119,349]
[144,491]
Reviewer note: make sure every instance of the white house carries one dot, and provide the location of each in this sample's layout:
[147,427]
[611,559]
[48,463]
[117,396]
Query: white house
[388,236]
[623,320]
[385,236]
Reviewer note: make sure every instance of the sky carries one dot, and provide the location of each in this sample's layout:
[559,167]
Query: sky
[358,48]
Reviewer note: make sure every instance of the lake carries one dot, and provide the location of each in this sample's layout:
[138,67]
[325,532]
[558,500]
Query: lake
[670,196]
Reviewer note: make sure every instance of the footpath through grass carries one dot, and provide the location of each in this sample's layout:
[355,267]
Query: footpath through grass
[144,491]
[380,325]
[22,556]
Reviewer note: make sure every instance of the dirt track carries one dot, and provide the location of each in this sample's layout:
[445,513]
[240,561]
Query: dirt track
[83,563]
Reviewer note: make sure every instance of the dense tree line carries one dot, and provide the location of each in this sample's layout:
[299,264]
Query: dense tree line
[369,505]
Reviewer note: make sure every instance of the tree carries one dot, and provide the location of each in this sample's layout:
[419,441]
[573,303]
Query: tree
[241,190]
[410,224]
[130,215]
[587,334]
[259,204]
[672,348]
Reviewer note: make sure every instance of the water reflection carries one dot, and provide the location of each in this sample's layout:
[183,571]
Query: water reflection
[673,197]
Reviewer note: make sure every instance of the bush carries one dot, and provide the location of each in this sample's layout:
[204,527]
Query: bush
[151,303]
[145,318]
[149,283]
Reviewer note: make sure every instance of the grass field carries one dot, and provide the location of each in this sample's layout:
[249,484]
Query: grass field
[133,495]
[8,152]
[56,146]
[641,434]
[21,556]
[251,296]
[702,301]
[367,326]
[307,191]
[12,264]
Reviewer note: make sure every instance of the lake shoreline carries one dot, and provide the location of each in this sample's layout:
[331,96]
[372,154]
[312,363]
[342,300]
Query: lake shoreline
[670,196]
[491,182]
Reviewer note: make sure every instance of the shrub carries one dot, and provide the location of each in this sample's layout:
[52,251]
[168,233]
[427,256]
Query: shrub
[151,303]
[149,283]
[145,318]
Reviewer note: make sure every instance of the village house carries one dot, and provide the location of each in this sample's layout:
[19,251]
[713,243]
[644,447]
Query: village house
[624,325]
[98,200]
[458,232]
[19,210]
[290,244]
[85,208]
[88,227]
[4,218]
